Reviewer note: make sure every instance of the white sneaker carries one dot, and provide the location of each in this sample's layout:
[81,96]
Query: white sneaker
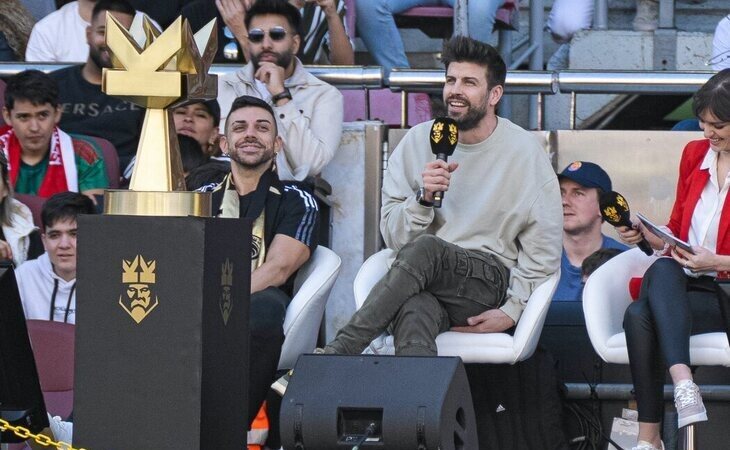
[381,345]
[647,15]
[643,445]
[688,401]
[62,431]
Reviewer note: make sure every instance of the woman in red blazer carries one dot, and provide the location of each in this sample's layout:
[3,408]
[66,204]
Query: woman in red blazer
[678,294]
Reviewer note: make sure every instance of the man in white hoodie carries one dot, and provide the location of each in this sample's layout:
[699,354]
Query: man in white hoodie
[47,285]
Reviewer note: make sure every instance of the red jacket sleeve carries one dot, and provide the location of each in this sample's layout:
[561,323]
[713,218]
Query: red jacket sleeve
[692,156]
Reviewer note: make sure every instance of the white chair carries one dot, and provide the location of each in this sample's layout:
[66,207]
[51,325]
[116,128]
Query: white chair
[605,299]
[312,287]
[495,348]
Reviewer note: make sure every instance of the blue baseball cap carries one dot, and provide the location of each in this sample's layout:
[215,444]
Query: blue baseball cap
[587,174]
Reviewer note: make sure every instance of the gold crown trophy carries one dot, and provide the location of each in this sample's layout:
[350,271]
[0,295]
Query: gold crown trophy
[159,71]
[162,341]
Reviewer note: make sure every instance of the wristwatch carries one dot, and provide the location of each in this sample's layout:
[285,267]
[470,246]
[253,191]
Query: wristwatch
[421,197]
[281,96]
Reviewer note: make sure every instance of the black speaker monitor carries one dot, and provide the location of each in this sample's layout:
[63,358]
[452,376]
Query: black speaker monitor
[336,401]
[21,399]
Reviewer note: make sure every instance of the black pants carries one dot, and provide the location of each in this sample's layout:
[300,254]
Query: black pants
[671,307]
[266,322]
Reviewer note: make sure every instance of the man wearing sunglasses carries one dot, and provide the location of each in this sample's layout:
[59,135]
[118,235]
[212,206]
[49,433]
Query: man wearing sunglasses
[324,36]
[309,112]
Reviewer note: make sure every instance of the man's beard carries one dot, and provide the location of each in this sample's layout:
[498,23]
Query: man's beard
[265,158]
[581,228]
[282,60]
[95,55]
[472,117]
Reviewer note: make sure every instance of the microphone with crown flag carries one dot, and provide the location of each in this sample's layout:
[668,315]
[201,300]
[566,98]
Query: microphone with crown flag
[615,210]
[444,137]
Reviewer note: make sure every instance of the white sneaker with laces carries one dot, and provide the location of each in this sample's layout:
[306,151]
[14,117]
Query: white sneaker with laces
[688,401]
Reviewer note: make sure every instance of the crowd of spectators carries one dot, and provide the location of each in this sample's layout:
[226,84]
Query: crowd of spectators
[325,36]
[275,124]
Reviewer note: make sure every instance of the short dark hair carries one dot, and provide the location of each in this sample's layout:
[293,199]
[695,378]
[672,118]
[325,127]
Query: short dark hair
[247,101]
[278,8]
[119,6]
[597,259]
[465,49]
[714,97]
[65,206]
[33,86]
[190,152]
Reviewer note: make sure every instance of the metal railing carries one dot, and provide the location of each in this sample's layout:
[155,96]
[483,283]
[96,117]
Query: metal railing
[575,82]
[537,83]
[342,77]
[518,82]
[534,53]
[630,82]
[432,80]
[600,15]
[565,82]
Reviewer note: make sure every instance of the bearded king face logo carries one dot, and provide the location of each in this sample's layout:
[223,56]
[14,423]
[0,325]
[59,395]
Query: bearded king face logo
[138,277]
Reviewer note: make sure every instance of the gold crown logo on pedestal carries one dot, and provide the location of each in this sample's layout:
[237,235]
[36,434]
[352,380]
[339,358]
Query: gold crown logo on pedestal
[159,71]
[226,302]
[227,273]
[138,271]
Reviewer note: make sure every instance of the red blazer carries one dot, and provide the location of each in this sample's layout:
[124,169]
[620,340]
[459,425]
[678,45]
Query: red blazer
[691,182]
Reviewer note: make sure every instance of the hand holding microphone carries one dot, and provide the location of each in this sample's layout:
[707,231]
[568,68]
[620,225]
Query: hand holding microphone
[615,211]
[443,138]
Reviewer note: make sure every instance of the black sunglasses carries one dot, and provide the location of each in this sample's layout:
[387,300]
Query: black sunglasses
[257,34]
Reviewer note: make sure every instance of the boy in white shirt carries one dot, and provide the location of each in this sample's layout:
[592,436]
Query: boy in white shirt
[47,285]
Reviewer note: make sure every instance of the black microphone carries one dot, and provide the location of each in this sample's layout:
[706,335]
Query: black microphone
[615,210]
[444,137]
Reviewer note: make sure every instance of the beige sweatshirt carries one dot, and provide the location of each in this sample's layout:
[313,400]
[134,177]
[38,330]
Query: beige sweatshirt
[503,199]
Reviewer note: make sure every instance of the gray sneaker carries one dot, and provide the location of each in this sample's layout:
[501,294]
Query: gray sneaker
[688,401]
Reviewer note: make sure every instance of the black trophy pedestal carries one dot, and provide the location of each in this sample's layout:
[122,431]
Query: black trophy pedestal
[162,333]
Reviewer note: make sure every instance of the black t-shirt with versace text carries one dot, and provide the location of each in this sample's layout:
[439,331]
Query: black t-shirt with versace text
[87,110]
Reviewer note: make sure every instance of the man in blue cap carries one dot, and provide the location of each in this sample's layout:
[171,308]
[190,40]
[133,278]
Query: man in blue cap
[581,184]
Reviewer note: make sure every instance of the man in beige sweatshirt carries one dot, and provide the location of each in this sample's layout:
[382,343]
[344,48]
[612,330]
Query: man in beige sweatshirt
[472,264]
